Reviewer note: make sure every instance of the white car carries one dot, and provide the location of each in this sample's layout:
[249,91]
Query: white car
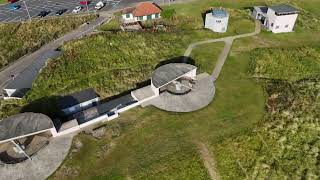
[77,9]
[99,5]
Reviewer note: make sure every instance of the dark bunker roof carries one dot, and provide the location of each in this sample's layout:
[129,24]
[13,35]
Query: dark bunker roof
[220,13]
[23,124]
[169,72]
[101,109]
[284,8]
[75,98]
[27,76]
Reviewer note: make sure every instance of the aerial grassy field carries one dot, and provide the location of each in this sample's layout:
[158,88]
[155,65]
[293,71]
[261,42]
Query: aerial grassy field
[262,123]
[18,39]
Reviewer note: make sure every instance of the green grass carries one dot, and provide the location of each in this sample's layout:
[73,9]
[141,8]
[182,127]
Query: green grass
[147,143]
[18,39]
[287,64]
[159,145]
[206,56]
[3,1]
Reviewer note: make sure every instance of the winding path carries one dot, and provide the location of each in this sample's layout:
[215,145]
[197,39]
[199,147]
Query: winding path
[227,47]
[208,160]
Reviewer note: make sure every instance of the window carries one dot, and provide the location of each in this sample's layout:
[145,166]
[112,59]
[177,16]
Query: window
[218,21]
[149,17]
[140,18]
[277,27]
[156,15]
[127,16]
[286,26]
[272,24]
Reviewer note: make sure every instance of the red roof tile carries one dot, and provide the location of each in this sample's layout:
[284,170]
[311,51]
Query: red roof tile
[143,9]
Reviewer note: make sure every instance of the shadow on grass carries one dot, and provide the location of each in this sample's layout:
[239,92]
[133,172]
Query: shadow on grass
[179,59]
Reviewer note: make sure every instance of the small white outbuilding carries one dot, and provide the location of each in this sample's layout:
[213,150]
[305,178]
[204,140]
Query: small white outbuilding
[217,20]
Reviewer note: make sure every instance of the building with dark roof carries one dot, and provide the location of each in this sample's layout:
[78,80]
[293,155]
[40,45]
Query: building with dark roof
[78,101]
[278,18]
[143,11]
[284,9]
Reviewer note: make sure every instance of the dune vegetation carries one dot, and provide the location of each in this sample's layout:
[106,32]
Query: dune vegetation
[18,39]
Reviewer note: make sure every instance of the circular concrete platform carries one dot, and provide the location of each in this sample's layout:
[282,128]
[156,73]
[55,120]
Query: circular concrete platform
[200,96]
[43,164]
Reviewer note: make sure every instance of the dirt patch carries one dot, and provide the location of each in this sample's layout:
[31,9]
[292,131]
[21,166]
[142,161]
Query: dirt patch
[208,160]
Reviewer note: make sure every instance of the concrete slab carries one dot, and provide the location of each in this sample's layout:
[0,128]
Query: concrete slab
[43,164]
[201,95]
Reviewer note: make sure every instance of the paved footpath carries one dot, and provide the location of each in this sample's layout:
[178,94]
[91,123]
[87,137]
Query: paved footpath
[227,47]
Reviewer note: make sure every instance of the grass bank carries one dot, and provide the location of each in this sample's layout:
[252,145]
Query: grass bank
[285,144]
[18,39]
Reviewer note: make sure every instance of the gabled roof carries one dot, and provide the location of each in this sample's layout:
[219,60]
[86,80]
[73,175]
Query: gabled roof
[170,72]
[22,125]
[75,98]
[143,9]
[283,9]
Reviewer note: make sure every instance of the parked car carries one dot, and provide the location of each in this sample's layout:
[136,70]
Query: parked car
[61,11]
[14,7]
[77,9]
[99,5]
[85,2]
[43,13]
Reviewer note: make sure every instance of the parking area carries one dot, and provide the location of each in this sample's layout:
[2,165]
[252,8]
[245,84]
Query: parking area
[34,7]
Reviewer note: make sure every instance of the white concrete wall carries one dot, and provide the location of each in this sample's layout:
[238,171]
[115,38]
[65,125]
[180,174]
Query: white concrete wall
[10,91]
[54,132]
[216,24]
[128,107]
[192,74]
[133,18]
[280,24]
[130,18]
[154,89]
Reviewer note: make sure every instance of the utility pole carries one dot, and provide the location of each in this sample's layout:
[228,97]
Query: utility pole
[27,10]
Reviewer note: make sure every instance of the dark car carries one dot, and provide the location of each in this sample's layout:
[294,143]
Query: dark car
[43,13]
[61,11]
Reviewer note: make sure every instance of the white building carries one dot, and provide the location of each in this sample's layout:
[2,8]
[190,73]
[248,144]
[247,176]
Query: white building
[142,12]
[278,19]
[217,20]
